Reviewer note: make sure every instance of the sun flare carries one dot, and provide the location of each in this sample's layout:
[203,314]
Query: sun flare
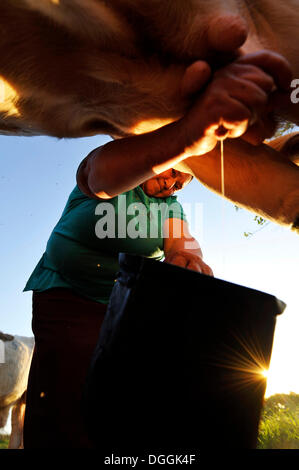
[246,362]
[264,373]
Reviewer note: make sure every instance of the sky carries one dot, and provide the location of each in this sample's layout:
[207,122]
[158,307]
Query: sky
[37,175]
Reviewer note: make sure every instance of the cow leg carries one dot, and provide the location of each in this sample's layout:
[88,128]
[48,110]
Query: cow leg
[17,423]
[4,415]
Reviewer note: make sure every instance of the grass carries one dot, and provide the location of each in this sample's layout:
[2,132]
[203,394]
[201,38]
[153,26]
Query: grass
[4,438]
[279,432]
[279,425]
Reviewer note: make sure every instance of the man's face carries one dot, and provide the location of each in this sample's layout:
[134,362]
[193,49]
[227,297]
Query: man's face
[166,184]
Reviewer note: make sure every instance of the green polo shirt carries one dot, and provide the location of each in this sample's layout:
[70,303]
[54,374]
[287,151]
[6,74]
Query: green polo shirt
[82,251]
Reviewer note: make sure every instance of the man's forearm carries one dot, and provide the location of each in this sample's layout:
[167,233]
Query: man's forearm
[123,164]
[181,248]
[259,179]
[177,237]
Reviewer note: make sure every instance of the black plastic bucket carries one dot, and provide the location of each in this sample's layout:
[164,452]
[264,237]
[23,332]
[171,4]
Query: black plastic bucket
[178,363]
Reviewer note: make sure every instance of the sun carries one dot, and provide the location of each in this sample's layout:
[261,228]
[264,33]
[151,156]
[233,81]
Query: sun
[264,373]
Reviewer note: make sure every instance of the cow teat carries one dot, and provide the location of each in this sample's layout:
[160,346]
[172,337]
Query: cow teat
[227,33]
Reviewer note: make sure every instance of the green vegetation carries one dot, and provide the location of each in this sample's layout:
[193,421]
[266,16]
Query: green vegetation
[4,438]
[279,425]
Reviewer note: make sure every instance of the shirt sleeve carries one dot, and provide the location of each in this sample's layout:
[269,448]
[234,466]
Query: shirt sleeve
[175,209]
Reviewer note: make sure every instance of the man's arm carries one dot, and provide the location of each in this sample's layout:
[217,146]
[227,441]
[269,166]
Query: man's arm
[181,248]
[123,164]
[259,179]
[237,93]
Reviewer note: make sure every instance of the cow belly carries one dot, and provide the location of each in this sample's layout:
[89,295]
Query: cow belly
[122,77]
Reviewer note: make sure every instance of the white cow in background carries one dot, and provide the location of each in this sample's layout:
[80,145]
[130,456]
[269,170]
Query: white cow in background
[14,370]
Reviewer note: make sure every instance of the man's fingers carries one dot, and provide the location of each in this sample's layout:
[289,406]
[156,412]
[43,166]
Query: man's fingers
[248,93]
[200,267]
[195,266]
[272,63]
[178,260]
[189,262]
[232,116]
[278,100]
[207,270]
[196,76]
[252,74]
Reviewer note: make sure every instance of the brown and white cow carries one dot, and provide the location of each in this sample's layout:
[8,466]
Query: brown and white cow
[71,68]
[14,371]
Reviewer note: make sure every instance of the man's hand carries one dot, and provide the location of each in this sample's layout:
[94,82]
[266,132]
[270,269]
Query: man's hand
[181,248]
[188,260]
[236,101]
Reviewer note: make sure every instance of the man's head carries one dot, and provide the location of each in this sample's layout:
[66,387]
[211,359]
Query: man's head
[166,184]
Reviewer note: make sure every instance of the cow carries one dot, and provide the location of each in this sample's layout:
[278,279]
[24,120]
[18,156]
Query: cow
[73,68]
[14,371]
